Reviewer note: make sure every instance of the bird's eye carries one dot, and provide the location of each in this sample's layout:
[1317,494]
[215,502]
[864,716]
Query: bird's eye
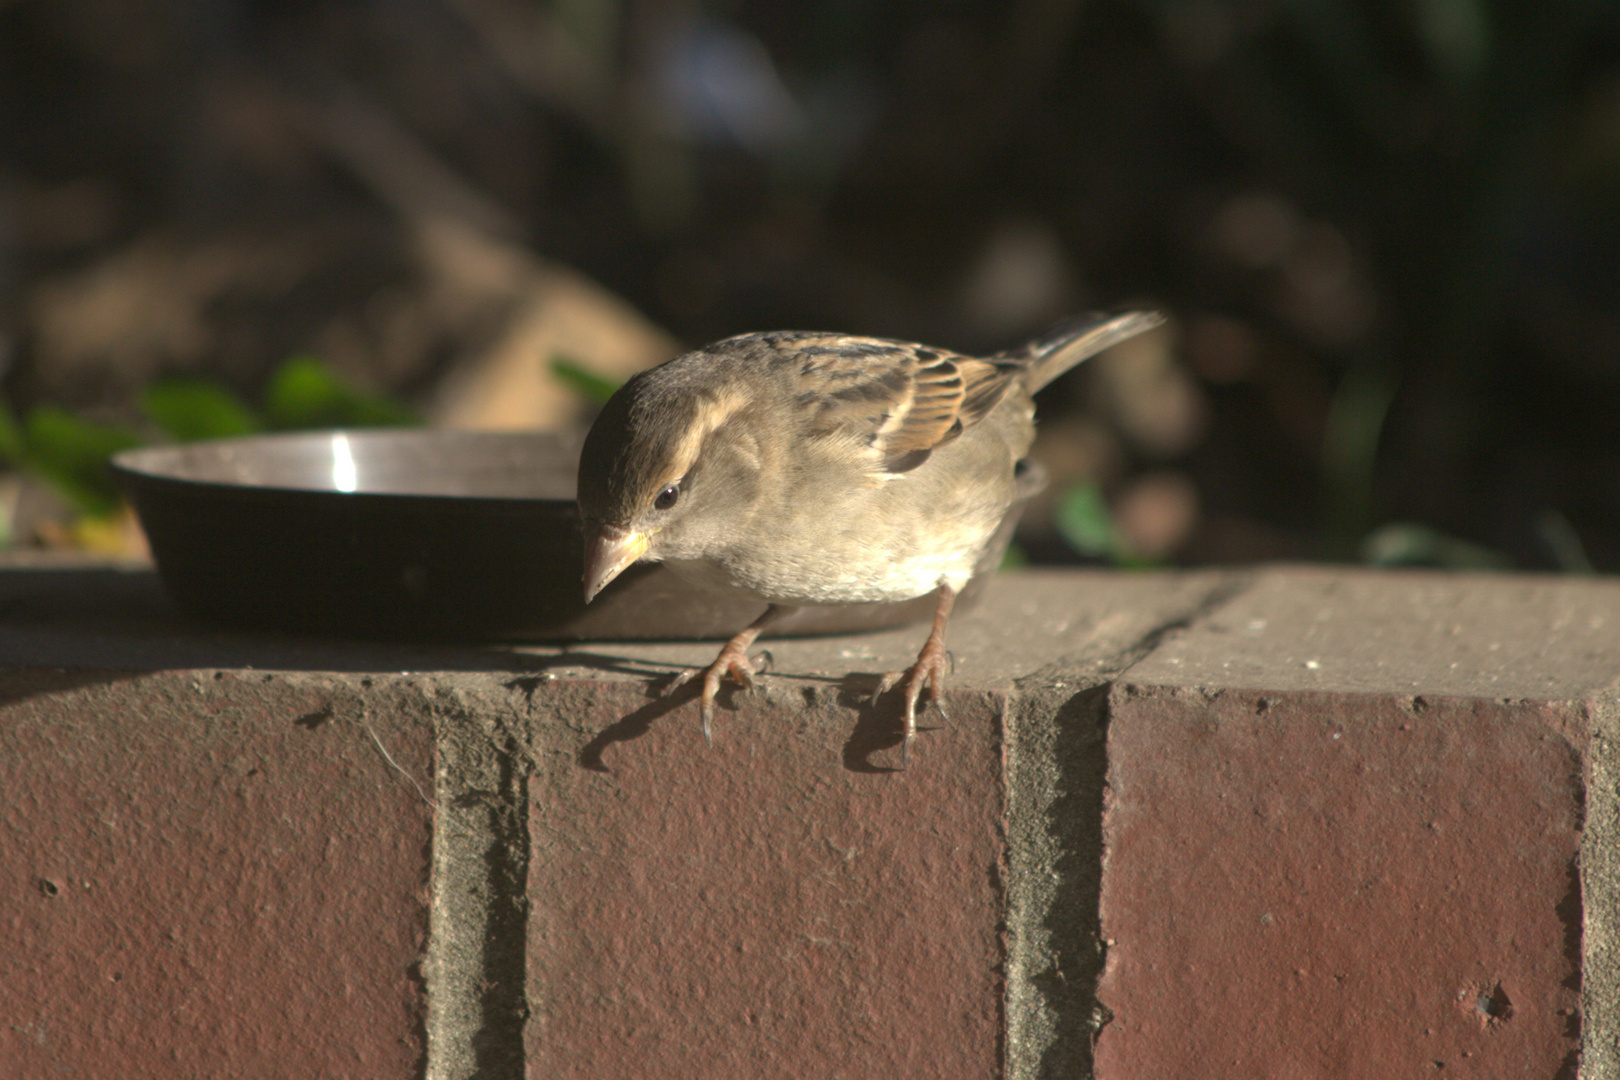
[667,497]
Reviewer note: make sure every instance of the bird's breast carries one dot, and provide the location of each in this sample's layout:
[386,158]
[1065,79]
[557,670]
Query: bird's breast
[859,558]
[827,538]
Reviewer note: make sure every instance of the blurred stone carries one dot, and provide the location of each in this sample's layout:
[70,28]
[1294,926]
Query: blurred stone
[1157,513]
[1322,291]
[1199,33]
[1022,278]
[1255,230]
[1153,398]
[1236,538]
[1317,286]
[1219,348]
[690,282]
[1297,395]
[714,82]
[131,36]
[260,125]
[549,312]
[1072,449]
[138,311]
[68,215]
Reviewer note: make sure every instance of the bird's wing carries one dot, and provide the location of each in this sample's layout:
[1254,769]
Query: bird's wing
[899,399]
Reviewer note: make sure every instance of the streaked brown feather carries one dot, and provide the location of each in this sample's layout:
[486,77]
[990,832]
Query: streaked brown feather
[900,399]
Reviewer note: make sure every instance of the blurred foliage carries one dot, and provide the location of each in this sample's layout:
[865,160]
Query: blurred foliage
[190,409]
[1085,522]
[1407,544]
[305,393]
[583,381]
[70,454]
[1391,232]
[1083,519]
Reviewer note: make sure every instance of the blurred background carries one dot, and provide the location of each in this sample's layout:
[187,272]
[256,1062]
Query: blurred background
[1387,231]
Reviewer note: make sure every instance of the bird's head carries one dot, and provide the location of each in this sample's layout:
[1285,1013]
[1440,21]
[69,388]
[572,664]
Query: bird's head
[664,473]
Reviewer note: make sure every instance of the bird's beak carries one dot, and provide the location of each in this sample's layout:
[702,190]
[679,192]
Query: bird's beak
[609,549]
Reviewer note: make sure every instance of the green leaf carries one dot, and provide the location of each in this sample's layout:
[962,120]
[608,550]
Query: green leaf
[380,412]
[582,380]
[1082,518]
[1410,544]
[71,455]
[303,393]
[190,409]
[306,393]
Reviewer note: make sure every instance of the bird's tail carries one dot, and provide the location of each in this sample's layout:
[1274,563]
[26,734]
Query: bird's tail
[1074,340]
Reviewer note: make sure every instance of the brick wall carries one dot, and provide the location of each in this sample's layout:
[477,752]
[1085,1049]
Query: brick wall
[1282,822]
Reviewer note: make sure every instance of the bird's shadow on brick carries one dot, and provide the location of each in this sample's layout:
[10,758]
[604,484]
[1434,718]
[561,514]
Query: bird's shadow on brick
[878,723]
[664,697]
[878,728]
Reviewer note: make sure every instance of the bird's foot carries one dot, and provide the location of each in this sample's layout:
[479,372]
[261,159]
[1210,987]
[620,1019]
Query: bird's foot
[733,663]
[929,669]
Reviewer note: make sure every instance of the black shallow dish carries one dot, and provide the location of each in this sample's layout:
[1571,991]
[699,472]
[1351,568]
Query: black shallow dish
[421,535]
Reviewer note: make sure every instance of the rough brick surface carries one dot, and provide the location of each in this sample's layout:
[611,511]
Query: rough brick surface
[1341,841]
[209,875]
[776,906]
[1352,886]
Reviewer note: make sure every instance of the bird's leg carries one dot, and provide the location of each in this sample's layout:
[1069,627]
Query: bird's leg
[929,668]
[733,663]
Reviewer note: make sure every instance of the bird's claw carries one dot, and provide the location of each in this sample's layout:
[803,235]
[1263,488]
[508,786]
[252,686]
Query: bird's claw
[735,665]
[929,669]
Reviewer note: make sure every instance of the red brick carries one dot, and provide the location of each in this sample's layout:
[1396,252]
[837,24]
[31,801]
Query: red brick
[764,908]
[208,876]
[1324,885]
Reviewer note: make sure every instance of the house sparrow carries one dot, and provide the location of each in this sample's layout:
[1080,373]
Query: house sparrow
[795,468]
